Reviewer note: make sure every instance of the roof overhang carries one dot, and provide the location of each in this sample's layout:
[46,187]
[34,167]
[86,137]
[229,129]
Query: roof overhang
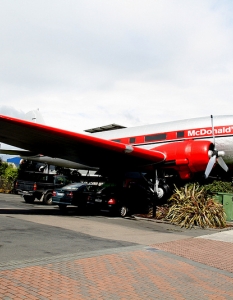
[105,128]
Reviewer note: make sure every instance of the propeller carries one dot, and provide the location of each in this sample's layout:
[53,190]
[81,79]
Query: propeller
[215,156]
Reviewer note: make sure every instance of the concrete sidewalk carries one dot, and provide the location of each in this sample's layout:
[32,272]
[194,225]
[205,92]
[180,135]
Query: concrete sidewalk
[192,268]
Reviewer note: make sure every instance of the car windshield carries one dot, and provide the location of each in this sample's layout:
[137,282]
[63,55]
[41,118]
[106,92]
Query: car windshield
[73,186]
[92,188]
[108,189]
[106,185]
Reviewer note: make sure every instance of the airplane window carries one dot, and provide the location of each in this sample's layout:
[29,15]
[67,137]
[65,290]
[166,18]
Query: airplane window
[118,141]
[180,134]
[132,140]
[155,137]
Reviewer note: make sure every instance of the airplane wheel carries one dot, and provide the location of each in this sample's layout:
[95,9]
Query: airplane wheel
[164,192]
[48,198]
[161,193]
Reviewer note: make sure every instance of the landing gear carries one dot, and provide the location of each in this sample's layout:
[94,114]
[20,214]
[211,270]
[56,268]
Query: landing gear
[159,186]
[163,192]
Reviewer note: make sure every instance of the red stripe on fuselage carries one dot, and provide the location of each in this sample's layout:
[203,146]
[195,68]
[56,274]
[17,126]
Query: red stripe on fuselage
[172,136]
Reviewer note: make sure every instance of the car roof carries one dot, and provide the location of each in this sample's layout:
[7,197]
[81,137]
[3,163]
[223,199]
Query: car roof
[78,184]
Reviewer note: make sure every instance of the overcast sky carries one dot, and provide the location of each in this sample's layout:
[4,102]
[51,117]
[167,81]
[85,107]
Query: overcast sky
[87,63]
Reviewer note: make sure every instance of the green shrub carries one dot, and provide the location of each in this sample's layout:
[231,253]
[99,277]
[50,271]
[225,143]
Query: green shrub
[192,205]
[8,175]
[3,167]
[162,211]
[218,187]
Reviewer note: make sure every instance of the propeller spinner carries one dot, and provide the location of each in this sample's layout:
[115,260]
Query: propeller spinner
[215,156]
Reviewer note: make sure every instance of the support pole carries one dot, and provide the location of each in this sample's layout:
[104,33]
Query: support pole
[155,197]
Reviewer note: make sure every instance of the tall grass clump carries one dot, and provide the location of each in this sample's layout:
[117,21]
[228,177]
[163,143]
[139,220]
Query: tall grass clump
[192,205]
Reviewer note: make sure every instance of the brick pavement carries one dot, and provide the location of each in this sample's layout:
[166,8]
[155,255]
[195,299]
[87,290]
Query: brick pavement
[193,268]
[209,252]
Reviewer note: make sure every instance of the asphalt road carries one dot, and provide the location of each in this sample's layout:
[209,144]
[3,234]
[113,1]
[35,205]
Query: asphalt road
[36,231]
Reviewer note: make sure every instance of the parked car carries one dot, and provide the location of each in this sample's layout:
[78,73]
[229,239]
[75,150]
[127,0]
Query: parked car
[73,194]
[122,200]
[37,185]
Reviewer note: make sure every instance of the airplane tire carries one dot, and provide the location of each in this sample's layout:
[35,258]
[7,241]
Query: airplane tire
[28,199]
[48,198]
[164,193]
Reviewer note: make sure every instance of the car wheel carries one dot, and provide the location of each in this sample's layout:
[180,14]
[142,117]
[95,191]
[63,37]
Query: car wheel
[28,199]
[48,198]
[62,207]
[123,211]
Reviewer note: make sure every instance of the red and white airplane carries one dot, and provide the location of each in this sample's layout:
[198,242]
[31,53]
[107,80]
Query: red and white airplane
[183,148]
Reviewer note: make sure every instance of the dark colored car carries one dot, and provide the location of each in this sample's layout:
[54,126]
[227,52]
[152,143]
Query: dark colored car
[75,194]
[38,185]
[122,200]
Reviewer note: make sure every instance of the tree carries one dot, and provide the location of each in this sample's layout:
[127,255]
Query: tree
[8,174]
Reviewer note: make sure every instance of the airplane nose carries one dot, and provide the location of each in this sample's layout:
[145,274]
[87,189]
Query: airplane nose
[221,153]
[217,153]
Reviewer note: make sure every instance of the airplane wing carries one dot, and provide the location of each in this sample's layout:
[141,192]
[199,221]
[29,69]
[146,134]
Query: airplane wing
[24,154]
[16,152]
[76,147]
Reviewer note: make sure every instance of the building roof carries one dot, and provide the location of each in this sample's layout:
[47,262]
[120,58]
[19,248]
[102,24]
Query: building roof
[105,128]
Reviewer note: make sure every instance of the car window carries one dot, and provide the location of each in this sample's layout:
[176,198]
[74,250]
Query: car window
[45,178]
[33,176]
[28,176]
[82,189]
[60,180]
[73,186]
[66,181]
[109,189]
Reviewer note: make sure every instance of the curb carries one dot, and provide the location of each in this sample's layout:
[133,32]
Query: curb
[229,224]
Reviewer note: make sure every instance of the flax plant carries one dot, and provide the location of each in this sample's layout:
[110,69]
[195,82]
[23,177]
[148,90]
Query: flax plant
[192,205]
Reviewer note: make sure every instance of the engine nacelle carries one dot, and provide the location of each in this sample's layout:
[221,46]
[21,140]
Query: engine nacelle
[186,157]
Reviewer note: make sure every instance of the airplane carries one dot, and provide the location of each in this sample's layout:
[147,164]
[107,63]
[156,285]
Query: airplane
[180,149]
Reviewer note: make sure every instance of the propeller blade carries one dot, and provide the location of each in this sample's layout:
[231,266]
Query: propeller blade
[210,165]
[222,163]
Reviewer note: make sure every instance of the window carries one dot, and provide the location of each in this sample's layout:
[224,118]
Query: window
[156,137]
[118,141]
[180,134]
[132,140]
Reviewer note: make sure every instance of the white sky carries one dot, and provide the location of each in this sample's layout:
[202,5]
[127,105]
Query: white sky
[87,63]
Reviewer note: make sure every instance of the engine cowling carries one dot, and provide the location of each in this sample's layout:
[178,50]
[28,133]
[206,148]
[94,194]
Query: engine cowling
[186,157]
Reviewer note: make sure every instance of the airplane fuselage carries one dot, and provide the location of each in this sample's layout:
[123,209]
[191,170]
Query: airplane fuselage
[155,135]
[185,146]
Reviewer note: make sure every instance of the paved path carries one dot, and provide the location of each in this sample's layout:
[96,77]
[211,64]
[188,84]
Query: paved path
[108,258]
[185,268]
